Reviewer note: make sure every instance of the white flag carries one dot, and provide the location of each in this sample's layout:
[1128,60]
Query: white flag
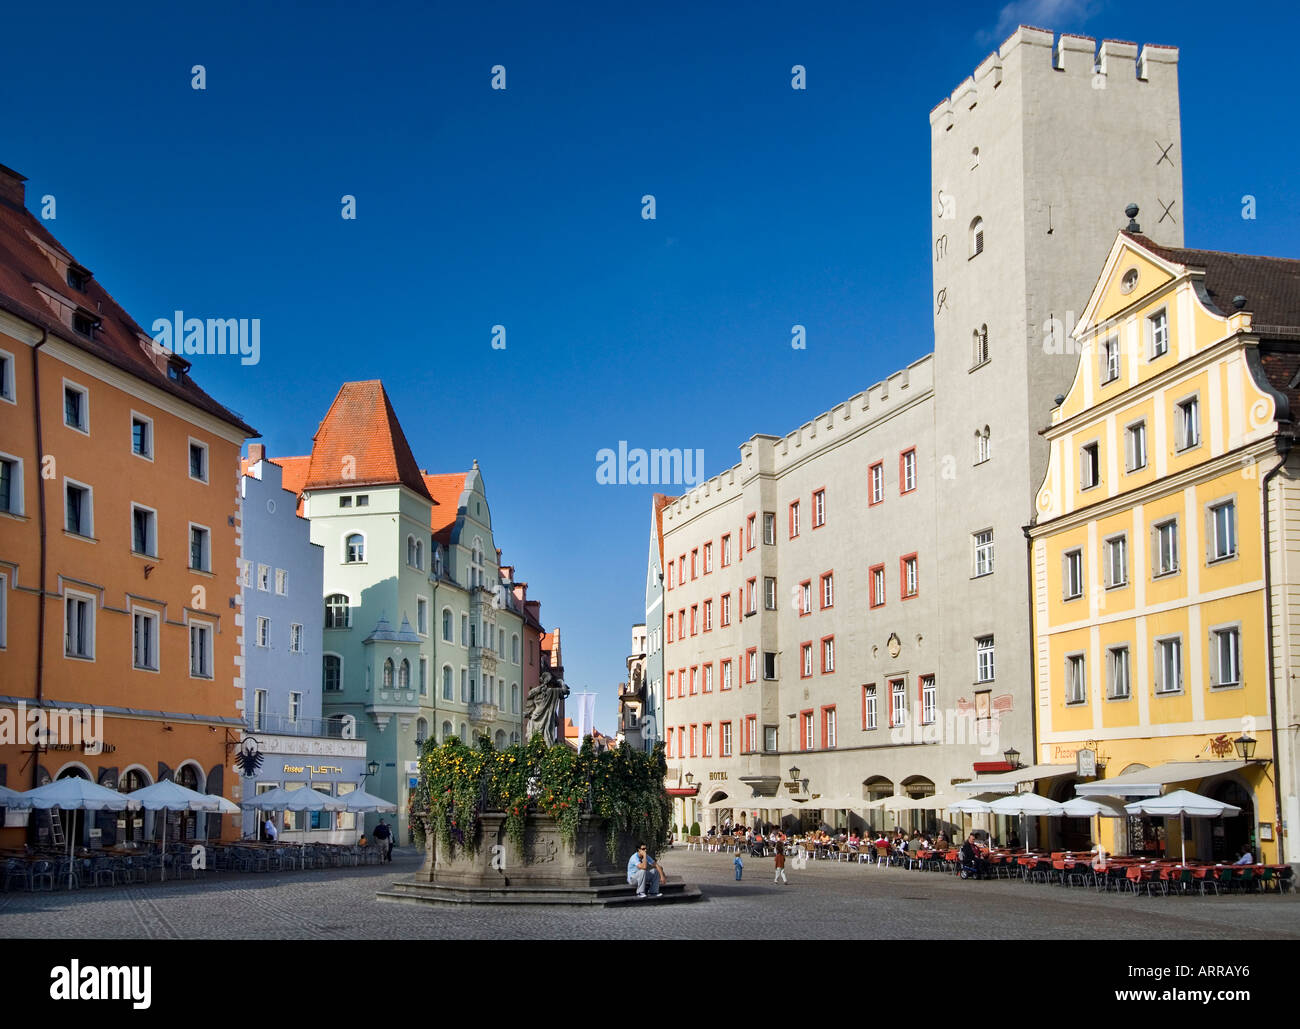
[586,720]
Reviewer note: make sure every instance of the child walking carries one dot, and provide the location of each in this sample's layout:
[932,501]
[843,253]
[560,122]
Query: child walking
[780,865]
[740,867]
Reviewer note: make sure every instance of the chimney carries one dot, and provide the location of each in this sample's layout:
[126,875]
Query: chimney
[256,453]
[11,187]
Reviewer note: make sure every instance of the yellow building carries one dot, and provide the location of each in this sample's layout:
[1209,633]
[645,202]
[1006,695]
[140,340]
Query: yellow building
[1150,586]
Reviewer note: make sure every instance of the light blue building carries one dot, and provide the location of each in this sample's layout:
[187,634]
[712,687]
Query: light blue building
[281,575]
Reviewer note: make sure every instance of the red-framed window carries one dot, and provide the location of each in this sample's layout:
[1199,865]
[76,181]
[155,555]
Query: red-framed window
[725,673]
[706,738]
[695,679]
[806,660]
[876,484]
[708,615]
[897,703]
[908,572]
[870,715]
[907,470]
[726,550]
[751,588]
[819,508]
[827,589]
[681,683]
[807,741]
[751,731]
[670,688]
[681,623]
[670,575]
[708,557]
[681,570]
[805,598]
[668,749]
[751,527]
[708,677]
[830,730]
[694,734]
[695,619]
[751,665]
[876,586]
[670,626]
[724,602]
[695,564]
[794,519]
[828,655]
[724,739]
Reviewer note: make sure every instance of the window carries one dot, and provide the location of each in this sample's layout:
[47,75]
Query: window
[338,612]
[726,550]
[897,703]
[1076,687]
[794,519]
[670,685]
[77,278]
[750,587]
[200,549]
[259,710]
[1089,465]
[295,638]
[803,598]
[1158,334]
[769,593]
[198,461]
[726,675]
[908,575]
[708,616]
[982,447]
[1225,657]
[1165,548]
[708,557]
[670,627]
[514,645]
[726,608]
[404,675]
[769,664]
[464,630]
[11,485]
[809,741]
[984,552]
[144,640]
[422,616]
[694,680]
[828,590]
[1169,665]
[141,436]
[806,664]
[695,620]
[828,655]
[144,531]
[263,631]
[387,680]
[79,514]
[295,705]
[1188,427]
[345,501]
[876,582]
[693,731]
[363,500]
[332,673]
[1116,548]
[669,747]
[877,484]
[354,549]
[708,678]
[1072,574]
[869,707]
[1118,681]
[7,376]
[78,626]
[264,578]
[819,509]
[828,727]
[695,563]
[769,528]
[750,523]
[907,471]
[724,739]
[514,697]
[448,683]
[1110,360]
[977,237]
[706,738]
[246,573]
[200,651]
[670,575]
[751,665]
[446,625]
[929,700]
[769,737]
[1223,530]
[984,666]
[980,346]
[281,582]
[1135,446]
[76,407]
[464,688]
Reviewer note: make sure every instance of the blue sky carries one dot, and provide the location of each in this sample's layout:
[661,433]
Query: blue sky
[522,208]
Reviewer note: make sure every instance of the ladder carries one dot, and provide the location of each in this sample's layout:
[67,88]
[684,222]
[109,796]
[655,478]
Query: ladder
[56,827]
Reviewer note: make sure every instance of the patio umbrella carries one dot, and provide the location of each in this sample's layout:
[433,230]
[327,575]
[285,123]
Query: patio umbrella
[73,794]
[1026,805]
[1182,803]
[166,795]
[1094,807]
[360,800]
[301,799]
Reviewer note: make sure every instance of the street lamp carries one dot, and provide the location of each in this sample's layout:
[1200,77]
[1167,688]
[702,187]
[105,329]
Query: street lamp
[371,769]
[1245,747]
[1012,757]
[690,778]
[794,773]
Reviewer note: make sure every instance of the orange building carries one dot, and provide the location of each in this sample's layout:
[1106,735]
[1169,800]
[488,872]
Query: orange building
[118,545]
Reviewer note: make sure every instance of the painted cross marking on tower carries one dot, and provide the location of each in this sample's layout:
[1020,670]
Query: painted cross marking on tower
[1164,153]
[1168,211]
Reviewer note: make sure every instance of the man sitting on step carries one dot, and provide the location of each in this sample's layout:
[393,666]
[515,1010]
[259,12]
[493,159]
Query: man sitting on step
[644,871]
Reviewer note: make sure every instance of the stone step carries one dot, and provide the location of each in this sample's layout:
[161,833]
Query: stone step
[409,891]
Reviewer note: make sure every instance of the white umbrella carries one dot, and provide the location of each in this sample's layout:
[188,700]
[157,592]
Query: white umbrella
[301,799]
[6,796]
[360,800]
[73,794]
[970,806]
[1091,807]
[1180,804]
[166,795]
[1026,805]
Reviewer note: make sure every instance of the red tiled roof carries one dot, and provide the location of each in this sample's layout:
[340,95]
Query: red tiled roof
[25,266]
[445,491]
[294,471]
[361,443]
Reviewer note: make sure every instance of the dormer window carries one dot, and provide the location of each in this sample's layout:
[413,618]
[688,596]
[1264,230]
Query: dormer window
[78,277]
[83,323]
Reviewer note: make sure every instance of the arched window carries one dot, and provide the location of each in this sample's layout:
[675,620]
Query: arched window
[463,734]
[404,675]
[354,548]
[977,237]
[388,673]
[410,551]
[501,695]
[980,345]
[499,741]
[476,564]
[447,684]
[421,731]
[982,453]
[514,697]
[419,554]
[338,612]
[514,648]
[437,559]
[446,625]
[332,677]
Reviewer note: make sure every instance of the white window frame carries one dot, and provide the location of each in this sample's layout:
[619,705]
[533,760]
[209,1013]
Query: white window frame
[1187,423]
[769,593]
[1134,433]
[89,520]
[769,528]
[983,553]
[1158,569]
[877,482]
[929,699]
[209,632]
[819,509]
[207,461]
[909,470]
[1090,464]
[828,656]
[1158,334]
[1076,679]
[828,591]
[983,445]
[149,455]
[84,427]
[1119,656]
[870,708]
[17,499]
[1111,545]
[986,656]
[281,582]
[1217,680]
[1161,685]
[365,547]
[206,549]
[1110,360]
[725,742]
[422,616]
[347,611]
[897,703]
[807,661]
[1072,574]
[1213,556]
[295,638]
[262,636]
[8,378]
[153,657]
[90,601]
[151,538]
[828,722]
[264,578]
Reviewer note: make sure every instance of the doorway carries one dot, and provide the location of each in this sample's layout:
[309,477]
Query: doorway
[1229,835]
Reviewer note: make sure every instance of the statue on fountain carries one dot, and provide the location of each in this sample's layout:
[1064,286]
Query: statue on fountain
[542,711]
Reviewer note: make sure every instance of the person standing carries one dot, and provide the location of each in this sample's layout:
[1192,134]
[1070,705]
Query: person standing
[780,866]
[385,837]
[268,829]
[740,866]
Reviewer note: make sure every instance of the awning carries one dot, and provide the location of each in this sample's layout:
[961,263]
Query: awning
[1149,782]
[1008,782]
